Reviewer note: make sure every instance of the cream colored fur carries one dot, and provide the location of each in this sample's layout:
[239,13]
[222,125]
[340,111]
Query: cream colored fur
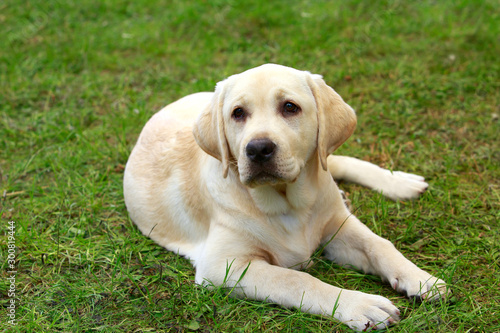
[191,186]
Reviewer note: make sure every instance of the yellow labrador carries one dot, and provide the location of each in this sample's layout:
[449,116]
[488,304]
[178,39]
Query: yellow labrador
[240,182]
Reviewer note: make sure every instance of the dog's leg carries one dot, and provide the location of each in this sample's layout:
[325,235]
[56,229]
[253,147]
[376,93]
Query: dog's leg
[250,275]
[355,245]
[396,185]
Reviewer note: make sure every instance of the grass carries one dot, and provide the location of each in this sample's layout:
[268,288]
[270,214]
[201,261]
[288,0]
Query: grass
[79,79]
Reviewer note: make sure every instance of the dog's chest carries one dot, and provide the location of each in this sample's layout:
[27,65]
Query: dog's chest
[290,223]
[293,242]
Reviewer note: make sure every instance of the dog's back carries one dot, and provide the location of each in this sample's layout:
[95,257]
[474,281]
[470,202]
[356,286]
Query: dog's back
[159,193]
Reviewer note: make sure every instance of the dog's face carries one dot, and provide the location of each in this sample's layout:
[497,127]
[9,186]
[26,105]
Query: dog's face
[270,124]
[271,120]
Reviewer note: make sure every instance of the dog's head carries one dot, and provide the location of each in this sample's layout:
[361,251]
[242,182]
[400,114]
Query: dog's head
[270,121]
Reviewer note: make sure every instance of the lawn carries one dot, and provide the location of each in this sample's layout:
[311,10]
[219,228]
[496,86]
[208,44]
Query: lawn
[79,79]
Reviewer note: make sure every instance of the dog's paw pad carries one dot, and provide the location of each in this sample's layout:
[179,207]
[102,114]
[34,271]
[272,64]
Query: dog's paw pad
[346,200]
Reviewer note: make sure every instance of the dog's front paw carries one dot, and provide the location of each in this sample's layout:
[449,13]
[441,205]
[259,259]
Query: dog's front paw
[420,285]
[364,312]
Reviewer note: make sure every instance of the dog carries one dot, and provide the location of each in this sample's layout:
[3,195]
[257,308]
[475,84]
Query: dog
[241,182]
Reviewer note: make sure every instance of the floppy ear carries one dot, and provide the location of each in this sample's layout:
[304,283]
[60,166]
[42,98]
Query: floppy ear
[209,131]
[336,119]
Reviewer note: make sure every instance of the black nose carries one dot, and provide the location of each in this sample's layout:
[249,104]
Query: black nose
[260,150]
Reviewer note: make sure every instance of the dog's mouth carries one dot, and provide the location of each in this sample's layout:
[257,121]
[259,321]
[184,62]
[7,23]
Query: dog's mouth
[264,178]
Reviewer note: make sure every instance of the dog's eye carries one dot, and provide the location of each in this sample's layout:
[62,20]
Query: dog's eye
[238,114]
[290,108]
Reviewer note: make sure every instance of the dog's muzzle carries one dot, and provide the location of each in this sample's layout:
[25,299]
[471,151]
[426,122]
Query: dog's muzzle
[262,167]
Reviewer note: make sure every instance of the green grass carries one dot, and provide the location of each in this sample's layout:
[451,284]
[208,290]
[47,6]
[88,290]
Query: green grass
[79,79]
